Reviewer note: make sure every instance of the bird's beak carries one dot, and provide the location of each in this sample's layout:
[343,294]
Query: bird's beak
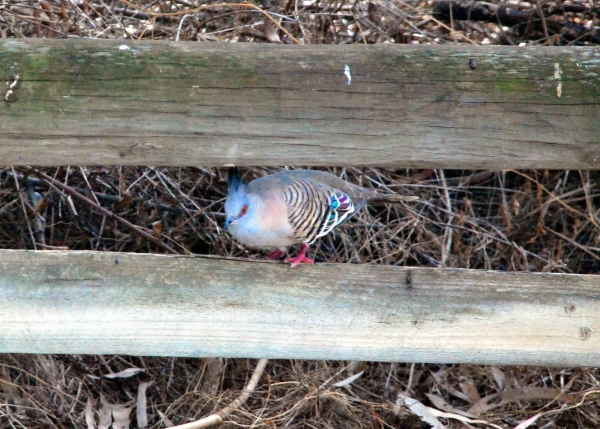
[227,222]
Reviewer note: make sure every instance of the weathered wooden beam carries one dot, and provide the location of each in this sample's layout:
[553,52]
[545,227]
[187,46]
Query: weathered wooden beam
[98,302]
[159,103]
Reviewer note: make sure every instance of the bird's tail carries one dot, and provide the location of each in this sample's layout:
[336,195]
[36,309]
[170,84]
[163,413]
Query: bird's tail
[391,198]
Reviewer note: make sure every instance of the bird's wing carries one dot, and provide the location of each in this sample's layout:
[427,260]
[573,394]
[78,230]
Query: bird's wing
[314,209]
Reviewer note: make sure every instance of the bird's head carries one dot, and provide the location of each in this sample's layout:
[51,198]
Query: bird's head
[238,206]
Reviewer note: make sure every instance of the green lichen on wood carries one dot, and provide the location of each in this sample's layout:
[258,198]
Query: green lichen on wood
[261,100]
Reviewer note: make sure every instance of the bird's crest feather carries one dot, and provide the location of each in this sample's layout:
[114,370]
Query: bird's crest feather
[234,182]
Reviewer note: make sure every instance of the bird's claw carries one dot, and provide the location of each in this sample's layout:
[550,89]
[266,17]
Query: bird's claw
[301,257]
[297,260]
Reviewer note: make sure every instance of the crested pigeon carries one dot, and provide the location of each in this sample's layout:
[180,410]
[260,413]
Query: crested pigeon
[292,206]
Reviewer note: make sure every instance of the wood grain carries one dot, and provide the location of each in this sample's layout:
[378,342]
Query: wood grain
[105,303]
[99,102]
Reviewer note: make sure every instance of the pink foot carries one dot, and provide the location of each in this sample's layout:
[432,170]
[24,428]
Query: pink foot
[277,254]
[301,257]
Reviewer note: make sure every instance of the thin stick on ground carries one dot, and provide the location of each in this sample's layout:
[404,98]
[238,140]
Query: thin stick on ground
[543,19]
[211,6]
[22,201]
[447,244]
[217,418]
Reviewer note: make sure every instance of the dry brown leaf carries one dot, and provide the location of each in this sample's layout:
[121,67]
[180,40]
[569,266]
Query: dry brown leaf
[165,420]
[141,412]
[348,381]
[513,395]
[89,415]
[441,403]
[212,375]
[271,31]
[499,377]
[430,415]
[104,414]
[417,408]
[123,202]
[460,418]
[516,206]
[528,422]
[120,415]
[126,373]
[114,416]
[455,392]
[157,229]
[468,388]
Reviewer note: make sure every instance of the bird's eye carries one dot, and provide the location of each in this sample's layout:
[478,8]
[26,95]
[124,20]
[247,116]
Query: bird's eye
[244,210]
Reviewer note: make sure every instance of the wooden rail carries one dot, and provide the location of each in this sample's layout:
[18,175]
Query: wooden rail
[96,302]
[158,103]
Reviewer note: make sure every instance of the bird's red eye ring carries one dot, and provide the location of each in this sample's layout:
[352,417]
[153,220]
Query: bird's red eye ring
[244,210]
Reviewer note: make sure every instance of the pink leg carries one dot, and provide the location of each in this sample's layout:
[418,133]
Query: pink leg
[301,257]
[277,254]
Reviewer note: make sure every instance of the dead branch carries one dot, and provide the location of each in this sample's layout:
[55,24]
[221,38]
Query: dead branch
[136,229]
[217,418]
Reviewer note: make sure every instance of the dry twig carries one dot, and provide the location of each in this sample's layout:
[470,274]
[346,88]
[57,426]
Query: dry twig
[218,417]
[134,228]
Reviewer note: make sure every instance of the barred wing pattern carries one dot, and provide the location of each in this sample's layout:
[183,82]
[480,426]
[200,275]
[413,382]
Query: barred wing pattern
[314,209]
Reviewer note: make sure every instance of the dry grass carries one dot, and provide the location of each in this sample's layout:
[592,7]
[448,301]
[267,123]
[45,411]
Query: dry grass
[510,220]
[306,21]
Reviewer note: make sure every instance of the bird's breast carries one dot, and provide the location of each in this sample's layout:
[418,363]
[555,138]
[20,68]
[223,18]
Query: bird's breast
[268,228]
